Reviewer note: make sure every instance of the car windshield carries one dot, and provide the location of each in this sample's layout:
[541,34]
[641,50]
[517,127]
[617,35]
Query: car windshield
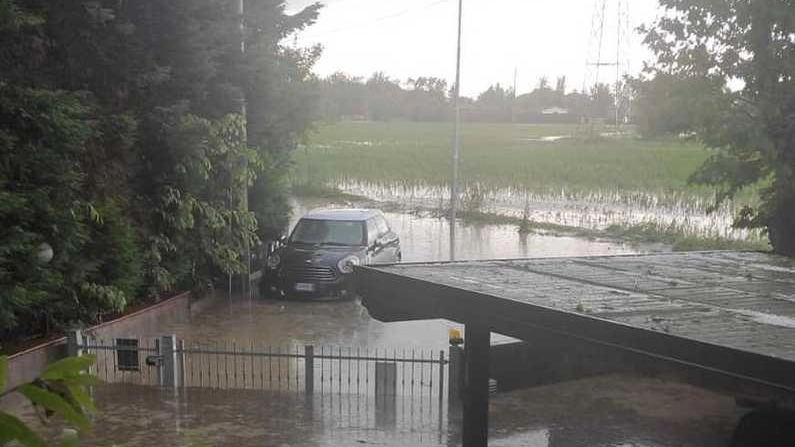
[329,232]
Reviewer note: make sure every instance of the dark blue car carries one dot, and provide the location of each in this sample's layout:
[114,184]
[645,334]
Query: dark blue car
[318,258]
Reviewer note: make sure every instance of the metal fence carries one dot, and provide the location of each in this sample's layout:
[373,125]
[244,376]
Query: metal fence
[363,371]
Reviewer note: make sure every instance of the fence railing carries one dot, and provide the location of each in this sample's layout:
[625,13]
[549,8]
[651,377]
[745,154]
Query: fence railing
[364,371]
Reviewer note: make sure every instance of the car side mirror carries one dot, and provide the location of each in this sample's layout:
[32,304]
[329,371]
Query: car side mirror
[282,238]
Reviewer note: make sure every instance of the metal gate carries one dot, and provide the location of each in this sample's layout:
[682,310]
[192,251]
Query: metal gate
[365,371]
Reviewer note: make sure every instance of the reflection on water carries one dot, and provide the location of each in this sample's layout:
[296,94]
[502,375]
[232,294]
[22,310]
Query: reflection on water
[426,239]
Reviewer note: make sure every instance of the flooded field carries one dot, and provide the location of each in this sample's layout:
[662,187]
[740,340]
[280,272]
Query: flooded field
[596,211]
[546,172]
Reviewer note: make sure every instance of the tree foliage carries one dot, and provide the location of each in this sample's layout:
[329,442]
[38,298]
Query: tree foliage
[122,147]
[751,130]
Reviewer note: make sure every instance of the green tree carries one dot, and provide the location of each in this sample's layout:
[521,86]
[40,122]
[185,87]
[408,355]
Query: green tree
[669,105]
[121,146]
[752,136]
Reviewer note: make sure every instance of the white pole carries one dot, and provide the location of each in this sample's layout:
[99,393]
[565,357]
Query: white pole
[247,249]
[456,138]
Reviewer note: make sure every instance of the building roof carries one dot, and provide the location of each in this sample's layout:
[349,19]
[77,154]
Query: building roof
[725,313]
[555,111]
[342,214]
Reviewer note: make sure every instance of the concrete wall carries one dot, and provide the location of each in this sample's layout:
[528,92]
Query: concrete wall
[27,365]
[519,365]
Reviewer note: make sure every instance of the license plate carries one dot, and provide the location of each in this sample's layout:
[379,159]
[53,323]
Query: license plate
[304,287]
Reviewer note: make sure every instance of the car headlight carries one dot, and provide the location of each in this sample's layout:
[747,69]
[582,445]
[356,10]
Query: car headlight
[347,263]
[273,261]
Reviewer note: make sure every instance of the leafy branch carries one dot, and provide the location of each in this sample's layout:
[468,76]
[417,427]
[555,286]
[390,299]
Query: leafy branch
[58,391]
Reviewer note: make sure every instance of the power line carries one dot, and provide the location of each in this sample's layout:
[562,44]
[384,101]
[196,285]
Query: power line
[384,18]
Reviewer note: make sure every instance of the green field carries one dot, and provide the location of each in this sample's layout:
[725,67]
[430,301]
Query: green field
[500,156]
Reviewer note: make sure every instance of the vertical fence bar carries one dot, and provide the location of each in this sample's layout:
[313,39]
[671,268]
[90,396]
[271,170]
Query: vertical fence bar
[279,366]
[339,371]
[252,359]
[297,368]
[226,364]
[309,369]
[262,370]
[441,379]
[235,358]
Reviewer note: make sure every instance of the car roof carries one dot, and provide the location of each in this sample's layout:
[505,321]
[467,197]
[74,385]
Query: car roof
[342,214]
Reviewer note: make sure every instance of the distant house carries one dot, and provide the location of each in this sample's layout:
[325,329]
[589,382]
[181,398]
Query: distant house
[555,111]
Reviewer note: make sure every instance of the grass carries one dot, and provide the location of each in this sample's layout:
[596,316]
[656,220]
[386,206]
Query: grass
[648,233]
[634,234]
[323,191]
[501,156]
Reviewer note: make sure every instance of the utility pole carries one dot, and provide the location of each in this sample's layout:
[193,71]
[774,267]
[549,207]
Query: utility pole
[513,99]
[456,137]
[246,277]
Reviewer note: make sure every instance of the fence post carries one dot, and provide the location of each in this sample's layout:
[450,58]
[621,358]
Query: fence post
[168,348]
[181,362]
[74,343]
[309,370]
[455,374]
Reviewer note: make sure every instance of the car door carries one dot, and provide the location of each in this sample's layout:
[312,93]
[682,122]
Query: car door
[388,240]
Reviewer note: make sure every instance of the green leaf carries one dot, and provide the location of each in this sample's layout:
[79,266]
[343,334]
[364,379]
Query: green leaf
[3,371]
[82,379]
[81,397]
[68,367]
[55,403]
[12,428]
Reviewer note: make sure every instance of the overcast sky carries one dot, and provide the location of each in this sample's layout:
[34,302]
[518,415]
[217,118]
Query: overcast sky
[411,38]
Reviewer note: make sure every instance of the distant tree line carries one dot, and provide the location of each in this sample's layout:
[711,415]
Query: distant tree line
[429,99]
[123,156]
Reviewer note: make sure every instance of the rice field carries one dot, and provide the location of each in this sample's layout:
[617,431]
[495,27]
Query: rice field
[500,156]
[547,173]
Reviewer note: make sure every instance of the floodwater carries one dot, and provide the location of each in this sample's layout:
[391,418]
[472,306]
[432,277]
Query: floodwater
[613,411]
[427,239]
[346,323]
[608,411]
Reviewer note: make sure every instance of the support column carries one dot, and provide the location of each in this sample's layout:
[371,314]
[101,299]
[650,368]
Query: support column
[477,340]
